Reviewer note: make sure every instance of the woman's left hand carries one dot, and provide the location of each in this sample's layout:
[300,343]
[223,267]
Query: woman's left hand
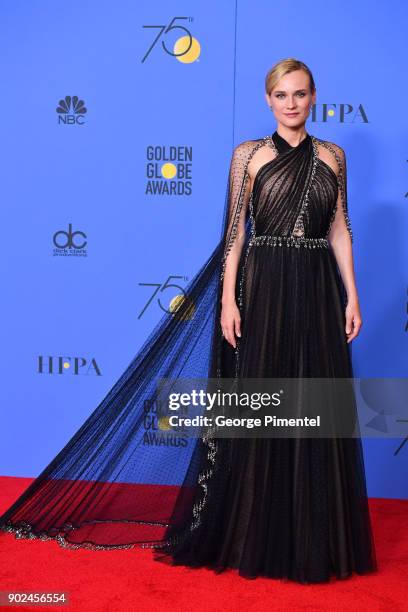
[353,320]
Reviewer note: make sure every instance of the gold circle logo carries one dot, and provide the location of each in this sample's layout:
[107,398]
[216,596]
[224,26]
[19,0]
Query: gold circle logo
[182,307]
[168,170]
[164,424]
[193,52]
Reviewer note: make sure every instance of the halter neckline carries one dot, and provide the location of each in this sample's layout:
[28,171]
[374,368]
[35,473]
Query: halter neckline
[283,144]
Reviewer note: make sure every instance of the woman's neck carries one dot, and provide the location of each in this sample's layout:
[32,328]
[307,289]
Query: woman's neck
[292,136]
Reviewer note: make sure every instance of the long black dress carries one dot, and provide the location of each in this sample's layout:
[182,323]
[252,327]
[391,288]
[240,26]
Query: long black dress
[288,507]
[294,508]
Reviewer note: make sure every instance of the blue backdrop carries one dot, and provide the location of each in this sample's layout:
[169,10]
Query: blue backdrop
[117,133]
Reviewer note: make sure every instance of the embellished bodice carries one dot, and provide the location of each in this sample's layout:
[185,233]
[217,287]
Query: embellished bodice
[297,195]
[294,195]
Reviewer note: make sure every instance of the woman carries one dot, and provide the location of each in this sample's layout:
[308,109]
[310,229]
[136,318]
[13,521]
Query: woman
[277,298]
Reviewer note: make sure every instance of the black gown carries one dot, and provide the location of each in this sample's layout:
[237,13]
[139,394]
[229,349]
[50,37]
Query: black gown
[282,507]
[287,507]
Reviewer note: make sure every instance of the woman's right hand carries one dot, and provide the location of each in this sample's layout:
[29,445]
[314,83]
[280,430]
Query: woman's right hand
[230,322]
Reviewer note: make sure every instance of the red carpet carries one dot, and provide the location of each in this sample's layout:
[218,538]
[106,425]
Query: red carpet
[127,580]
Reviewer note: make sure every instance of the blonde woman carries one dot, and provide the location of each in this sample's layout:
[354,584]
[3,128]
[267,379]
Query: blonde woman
[286,508]
[276,299]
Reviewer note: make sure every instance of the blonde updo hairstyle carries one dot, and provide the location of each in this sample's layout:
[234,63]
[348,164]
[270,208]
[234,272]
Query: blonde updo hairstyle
[284,67]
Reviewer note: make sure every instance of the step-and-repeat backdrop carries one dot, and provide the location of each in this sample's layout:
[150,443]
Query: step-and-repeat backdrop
[118,125]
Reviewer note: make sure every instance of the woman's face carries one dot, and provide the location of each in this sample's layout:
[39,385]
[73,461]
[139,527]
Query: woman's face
[291,99]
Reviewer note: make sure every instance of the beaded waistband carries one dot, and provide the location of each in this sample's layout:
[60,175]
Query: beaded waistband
[296,241]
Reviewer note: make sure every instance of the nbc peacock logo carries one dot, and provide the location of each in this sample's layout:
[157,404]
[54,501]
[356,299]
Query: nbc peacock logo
[71,111]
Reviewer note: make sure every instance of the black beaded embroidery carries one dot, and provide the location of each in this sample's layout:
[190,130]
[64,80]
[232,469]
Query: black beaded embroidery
[24,530]
[299,229]
[296,241]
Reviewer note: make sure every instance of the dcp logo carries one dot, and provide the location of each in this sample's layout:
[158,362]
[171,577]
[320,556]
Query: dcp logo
[68,240]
